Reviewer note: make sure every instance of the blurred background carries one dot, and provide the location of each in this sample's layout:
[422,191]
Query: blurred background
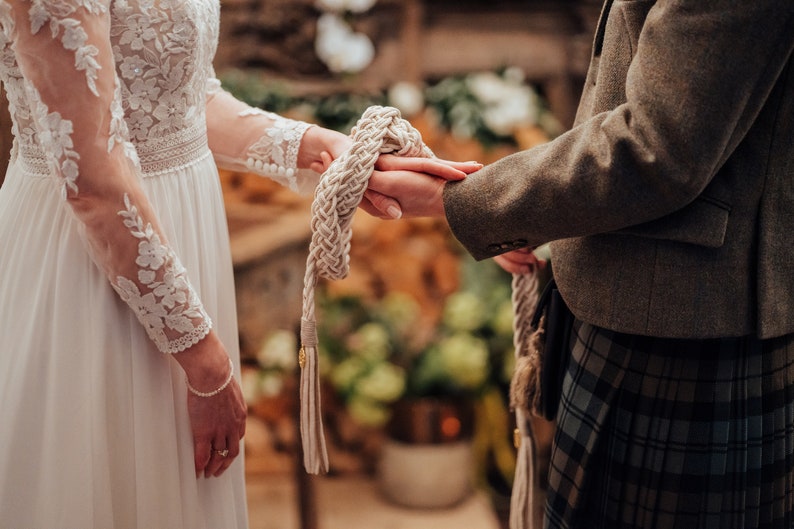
[415,344]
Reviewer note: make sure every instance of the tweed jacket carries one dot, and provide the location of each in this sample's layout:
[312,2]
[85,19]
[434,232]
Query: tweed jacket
[670,203]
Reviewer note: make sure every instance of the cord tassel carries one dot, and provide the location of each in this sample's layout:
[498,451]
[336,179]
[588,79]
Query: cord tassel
[315,453]
[522,503]
[337,197]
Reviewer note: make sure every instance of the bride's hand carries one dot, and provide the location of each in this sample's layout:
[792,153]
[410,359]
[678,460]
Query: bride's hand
[412,187]
[218,424]
[217,421]
[320,146]
[417,183]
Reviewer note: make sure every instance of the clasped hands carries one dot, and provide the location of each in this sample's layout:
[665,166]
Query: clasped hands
[414,187]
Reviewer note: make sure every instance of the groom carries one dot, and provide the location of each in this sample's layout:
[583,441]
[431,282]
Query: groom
[669,206]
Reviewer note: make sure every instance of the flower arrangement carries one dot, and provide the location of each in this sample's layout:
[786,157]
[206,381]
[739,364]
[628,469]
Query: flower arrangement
[376,352]
[342,49]
[487,106]
[275,360]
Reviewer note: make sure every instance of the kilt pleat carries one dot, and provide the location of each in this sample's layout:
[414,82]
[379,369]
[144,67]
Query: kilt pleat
[671,433]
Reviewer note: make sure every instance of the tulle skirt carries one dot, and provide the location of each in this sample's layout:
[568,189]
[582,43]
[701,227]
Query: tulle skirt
[94,431]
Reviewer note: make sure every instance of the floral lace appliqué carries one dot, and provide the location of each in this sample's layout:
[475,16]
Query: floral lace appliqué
[168,306]
[163,53]
[119,131]
[56,133]
[276,152]
[73,36]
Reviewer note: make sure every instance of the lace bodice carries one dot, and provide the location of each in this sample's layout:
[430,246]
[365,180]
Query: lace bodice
[103,93]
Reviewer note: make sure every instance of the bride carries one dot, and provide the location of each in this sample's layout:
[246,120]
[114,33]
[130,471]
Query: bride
[119,400]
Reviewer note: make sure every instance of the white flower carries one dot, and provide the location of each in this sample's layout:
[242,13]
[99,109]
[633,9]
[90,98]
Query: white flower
[170,111]
[70,171]
[488,87]
[118,127]
[74,36]
[354,6]
[179,322]
[132,66]
[149,312]
[514,75]
[278,351]
[146,277]
[516,109]
[56,134]
[249,383]
[407,97]
[143,93]
[171,291]
[340,48]
[281,132]
[508,102]
[138,31]
[139,123]
[151,253]
[127,289]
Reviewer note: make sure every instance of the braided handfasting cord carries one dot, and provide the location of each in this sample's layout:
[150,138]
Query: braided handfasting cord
[380,130]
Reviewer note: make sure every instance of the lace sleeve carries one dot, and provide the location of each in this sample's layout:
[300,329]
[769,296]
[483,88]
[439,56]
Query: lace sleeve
[244,138]
[68,81]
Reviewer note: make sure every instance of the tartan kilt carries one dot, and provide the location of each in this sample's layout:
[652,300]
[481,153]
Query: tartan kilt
[671,433]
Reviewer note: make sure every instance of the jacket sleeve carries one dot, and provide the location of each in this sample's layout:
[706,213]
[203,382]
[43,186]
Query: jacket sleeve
[64,56]
[248,139]
[674,87]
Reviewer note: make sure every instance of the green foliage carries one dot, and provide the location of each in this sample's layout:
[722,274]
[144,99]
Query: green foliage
[485,106]
[376,352]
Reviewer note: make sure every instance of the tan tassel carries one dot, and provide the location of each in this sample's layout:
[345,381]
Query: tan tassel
[522,506]
[315,453]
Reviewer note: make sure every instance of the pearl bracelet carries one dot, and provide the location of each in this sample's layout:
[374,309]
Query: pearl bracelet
[216,391]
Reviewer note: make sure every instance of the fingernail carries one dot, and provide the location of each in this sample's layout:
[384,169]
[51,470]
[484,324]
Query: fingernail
[394,212]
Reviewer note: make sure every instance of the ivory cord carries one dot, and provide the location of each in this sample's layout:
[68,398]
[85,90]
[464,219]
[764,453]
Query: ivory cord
[382,130]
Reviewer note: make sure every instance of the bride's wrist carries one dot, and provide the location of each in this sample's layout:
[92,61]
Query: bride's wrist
[317,140]
[206,365]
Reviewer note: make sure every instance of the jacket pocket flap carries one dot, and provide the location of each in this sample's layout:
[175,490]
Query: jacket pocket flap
[703,222]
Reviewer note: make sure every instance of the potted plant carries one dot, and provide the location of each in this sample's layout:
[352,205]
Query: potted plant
[420,377]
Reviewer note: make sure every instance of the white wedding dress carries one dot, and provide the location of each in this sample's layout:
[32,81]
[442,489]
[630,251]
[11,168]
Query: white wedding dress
[114,256]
